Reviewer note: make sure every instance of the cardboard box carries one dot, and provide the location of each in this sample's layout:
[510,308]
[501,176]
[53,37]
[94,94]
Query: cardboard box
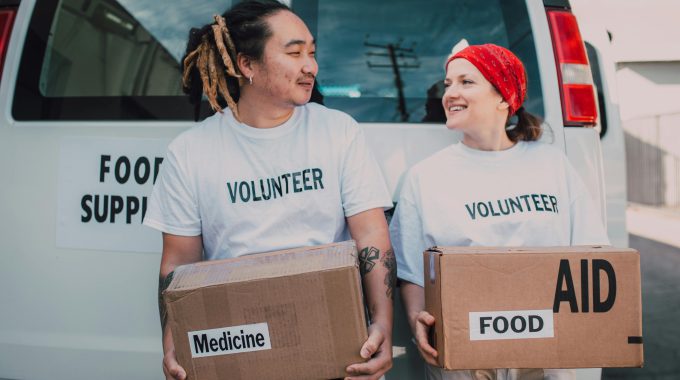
[294,314]
[535,307]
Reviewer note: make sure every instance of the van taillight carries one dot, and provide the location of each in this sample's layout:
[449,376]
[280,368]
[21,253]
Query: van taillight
[576,80]
[6,22]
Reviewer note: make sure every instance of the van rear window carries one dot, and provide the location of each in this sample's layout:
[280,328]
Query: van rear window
[378,61]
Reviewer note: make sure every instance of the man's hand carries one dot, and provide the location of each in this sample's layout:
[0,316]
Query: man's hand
[423,323]
[379,273]
[172,369]
[177,250]
[378,349]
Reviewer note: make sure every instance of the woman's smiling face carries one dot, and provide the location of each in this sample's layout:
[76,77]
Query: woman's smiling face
[470,101]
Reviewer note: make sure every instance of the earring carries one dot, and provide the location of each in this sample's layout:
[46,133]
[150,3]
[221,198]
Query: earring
[250,79]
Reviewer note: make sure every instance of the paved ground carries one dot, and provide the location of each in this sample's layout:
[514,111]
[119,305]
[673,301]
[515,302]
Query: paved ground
[660,266]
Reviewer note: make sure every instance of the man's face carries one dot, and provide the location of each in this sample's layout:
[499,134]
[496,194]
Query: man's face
[286,73]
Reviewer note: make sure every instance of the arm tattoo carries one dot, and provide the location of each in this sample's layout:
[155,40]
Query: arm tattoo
[367,258]
[390,263]
[163,284]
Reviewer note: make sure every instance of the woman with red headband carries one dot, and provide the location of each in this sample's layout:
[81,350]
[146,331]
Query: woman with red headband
[499,186]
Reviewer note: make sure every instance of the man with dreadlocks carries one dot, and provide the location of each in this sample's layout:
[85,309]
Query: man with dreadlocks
[269,170]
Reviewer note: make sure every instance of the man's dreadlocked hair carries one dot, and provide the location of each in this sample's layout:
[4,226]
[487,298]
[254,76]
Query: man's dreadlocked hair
[209,64]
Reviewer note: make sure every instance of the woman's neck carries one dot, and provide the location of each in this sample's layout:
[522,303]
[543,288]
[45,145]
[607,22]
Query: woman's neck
[489,141]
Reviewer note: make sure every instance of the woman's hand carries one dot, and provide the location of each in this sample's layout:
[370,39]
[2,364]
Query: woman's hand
[423,323]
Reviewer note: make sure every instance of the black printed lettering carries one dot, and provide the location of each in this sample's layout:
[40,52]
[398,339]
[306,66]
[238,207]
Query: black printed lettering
[266,195]
[223,342]
[255,197]
[568,294]
[512,205]
[142,164]
[515,205]
[144,207]
[100,214]
[226,342]
[250,340]
[232,191]
[484,213]
[316,175]
[285,177]
[539,323]
[116,206]
[296,182]
[244,191]
[585,303]
[106,208]
[553,203]
[525,198]
[201,343]
[156,167]
[132,209]
[471,211]
[513,324]
[500,325]
[277,187]
[266,189]
[544,199]
[534,197]
[306,180]
[493,211]
[599,306]
[85,205]
[505,211]
[484,323]
[122,170]
[103,166]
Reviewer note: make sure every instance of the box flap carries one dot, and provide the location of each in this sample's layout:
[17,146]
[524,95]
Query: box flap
[560,250]
[264,265]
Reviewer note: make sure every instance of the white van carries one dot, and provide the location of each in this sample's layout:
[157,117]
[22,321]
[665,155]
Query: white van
[90,96]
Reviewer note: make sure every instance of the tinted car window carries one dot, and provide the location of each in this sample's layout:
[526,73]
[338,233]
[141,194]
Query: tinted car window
[384,61]
[379,61]
[108,60]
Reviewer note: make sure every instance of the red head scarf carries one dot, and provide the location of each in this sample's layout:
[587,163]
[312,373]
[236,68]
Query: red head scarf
[500,67]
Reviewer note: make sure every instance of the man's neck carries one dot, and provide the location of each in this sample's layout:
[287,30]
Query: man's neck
[262,114]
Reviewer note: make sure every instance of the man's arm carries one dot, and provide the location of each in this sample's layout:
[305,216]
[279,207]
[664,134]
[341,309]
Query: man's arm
[177,250]
[379,274]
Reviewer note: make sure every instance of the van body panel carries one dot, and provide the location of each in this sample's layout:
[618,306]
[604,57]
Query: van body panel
[80,313]
[613,143]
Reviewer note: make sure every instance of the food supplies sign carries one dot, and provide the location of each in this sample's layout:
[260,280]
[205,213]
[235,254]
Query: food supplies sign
[230,340]
[104,187]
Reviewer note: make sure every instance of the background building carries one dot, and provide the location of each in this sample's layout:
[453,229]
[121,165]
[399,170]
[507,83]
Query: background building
[645,45]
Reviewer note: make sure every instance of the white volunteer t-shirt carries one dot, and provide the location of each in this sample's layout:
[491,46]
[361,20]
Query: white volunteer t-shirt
[248,190]
[528,195]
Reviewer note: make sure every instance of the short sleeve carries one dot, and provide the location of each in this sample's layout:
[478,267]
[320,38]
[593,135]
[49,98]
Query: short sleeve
[362,184]
[406,234]
[173,207]
[587,227]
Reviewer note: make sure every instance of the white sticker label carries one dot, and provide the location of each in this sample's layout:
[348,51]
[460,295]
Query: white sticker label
[104,186]
[516,324]
[230,340]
